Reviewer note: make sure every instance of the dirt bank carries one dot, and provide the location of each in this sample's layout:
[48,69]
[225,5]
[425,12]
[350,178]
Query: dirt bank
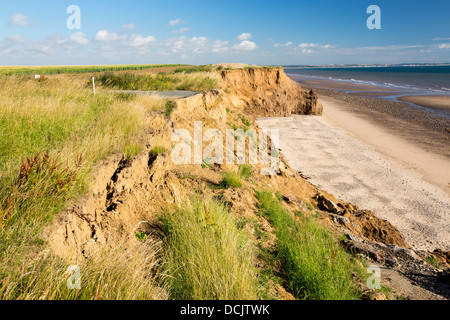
[127,195]
[268,92]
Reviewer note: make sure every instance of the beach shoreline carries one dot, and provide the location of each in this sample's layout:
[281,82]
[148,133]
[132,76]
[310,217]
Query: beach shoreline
[433,166]
[358,161]
[424,129]
[437,104]
[440,103]
[385,156]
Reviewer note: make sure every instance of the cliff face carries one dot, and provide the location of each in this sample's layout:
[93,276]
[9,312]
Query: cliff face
[269,92]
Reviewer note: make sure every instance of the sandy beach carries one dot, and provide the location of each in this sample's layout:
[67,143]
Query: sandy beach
[440,103]
[435,103]
[357,160]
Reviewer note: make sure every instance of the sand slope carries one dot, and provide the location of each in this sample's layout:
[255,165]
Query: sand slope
[341,163]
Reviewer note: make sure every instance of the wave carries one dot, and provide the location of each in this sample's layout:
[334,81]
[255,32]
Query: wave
[388,85]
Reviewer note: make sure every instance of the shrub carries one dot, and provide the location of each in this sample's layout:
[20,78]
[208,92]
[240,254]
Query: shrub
[245,171]
[194,70]
[41,180]
[170,106]
[193,81]
[231,179]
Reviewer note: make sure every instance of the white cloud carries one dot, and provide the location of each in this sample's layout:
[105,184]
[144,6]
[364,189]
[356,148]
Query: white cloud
[278,45]
[245,46]
[186,45]
[79,38]
[129,26]
[315,46]
[136,40]
[181,30]
[106,36]
[12,44]
[308,45]
[390,48]
[19,20]
[220,46]
[17,39]
[444,46]
[173,23]
[244,36]
[440,39]
[306,51]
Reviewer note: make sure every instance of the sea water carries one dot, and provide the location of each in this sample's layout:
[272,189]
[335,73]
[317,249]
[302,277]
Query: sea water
[420,80]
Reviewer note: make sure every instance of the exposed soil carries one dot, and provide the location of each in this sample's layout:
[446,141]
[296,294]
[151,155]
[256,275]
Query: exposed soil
[127,195]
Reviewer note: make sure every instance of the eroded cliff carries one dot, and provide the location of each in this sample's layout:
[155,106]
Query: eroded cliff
[127,195]
[269,92]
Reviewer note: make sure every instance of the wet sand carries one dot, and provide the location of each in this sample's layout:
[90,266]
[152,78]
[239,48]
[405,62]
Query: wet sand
[440,103]
[335,85]
[435,103]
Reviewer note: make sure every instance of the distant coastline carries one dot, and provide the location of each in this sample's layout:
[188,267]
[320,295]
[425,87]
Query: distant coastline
[368,65]
[426,87]
[423,120]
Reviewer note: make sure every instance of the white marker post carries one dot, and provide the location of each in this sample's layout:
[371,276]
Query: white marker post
[93,85]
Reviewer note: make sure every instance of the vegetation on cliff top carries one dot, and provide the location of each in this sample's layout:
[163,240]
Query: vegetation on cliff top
[55,132]
[47,70]
[193,81]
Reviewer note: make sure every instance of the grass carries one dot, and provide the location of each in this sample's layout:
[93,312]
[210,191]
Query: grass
[121,273]
[244,120]
[315,267]
[53,133]
[208,257]
[194,70]
[170,106]
[245,171]
[433,261]
[192,81]
[48,70]
[158,150]
[231,179]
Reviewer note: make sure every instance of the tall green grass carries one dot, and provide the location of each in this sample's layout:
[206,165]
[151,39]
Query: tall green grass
[47,70]
[160,82]
[195,69]
[208,257]
[121,273]
[52,134]
[231,179]
[314,264]
[245,171]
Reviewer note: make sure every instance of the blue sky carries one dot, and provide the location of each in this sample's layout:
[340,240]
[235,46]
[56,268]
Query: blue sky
[203,32]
